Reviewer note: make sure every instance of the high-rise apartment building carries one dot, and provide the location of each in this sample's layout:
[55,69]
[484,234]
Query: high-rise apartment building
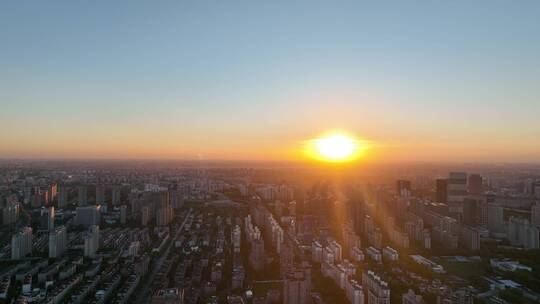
[123,214]
[62,197]
[522,233]
[528,187]
[536,189]
[336,250]
[535,214]
[286,260]
[82,195]
[168,296]
[57,242]
[411,298]
[145,216]
[21,243]
[257,255]
[116,195]
[297,286]
[390,254]
[100,195]
[316,251]
[10,213]
[469,238]
[177,199]
[53,191]
[40,197]
[378,291]
[88,215]
[164,212]
[403,187]
[354,292]
[91,241]
[475,210]
[236,237]
[495,221]
[47,218]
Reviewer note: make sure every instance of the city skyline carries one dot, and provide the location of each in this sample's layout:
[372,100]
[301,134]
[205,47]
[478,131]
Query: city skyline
[438,82]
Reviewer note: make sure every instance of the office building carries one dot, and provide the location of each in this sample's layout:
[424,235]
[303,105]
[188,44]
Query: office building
[481,211]
[457,186]
[441,190]
[475,184]
[457,191]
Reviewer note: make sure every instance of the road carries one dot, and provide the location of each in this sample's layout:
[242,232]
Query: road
[143,295]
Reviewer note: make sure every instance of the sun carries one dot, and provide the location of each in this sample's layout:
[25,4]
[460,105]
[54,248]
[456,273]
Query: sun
[335,147]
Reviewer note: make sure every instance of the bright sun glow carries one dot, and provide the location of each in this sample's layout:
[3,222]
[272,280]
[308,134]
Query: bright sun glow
[334,148]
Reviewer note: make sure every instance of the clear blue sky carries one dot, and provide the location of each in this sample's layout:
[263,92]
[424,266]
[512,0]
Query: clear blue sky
[422,80]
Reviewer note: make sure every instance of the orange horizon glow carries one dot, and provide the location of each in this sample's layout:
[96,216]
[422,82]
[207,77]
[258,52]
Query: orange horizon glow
[250,145]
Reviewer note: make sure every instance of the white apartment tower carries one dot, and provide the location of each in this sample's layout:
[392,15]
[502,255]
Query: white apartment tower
[57,242]
[91,242]
[21,243]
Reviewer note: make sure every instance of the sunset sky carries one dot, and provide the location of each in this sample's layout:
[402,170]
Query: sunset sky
[254,80]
